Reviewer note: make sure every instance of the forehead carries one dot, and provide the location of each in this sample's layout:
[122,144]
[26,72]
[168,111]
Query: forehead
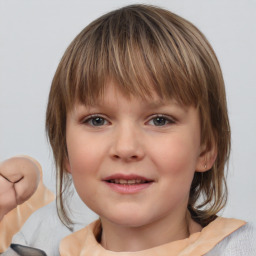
[112,95]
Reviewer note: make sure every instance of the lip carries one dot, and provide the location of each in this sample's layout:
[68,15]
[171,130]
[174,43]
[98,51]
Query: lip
[128,188]
[126,177]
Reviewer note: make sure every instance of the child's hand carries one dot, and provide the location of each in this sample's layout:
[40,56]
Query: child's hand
[19,177]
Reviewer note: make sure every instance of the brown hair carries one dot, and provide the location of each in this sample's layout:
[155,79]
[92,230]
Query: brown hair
[142,48]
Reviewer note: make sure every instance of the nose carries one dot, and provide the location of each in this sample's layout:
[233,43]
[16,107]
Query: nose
[127,144]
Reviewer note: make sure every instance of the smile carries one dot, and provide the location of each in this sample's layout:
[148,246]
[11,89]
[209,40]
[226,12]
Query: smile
[127,184]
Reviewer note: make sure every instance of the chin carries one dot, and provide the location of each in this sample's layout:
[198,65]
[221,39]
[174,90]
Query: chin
[130,219]
[127,214]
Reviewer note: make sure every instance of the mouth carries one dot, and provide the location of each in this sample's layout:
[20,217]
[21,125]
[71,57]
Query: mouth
[127,184]
[127,179]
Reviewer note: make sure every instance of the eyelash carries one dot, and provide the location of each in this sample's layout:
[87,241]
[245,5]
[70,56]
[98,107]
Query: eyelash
[90,118]
[168,120]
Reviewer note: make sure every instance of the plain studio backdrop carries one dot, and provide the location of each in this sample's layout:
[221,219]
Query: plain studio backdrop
[35,34]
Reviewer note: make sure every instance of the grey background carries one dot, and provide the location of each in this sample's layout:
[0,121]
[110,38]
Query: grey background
[34,35]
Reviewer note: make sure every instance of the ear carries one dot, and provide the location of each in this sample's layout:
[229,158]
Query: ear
[206,158]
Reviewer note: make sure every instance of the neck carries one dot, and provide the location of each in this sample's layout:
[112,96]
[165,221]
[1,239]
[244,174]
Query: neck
[122,238]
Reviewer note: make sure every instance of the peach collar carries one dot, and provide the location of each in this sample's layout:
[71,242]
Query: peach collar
[84,243]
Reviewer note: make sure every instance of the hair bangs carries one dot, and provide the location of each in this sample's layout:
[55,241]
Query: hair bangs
[138,53]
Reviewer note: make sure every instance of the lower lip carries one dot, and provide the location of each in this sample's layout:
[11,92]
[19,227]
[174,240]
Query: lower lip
[128,189]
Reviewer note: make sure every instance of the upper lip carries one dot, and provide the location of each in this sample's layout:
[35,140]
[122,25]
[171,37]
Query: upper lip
[126,177]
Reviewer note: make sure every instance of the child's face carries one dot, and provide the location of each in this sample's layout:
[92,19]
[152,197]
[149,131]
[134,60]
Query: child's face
[133,161]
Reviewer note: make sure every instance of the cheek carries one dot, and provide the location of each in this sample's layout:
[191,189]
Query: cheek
[85,160]
[176,164]
[176,156]
[83,154]
[84,164]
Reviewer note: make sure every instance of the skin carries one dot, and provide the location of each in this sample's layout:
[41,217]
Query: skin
[125,137]
[19,178]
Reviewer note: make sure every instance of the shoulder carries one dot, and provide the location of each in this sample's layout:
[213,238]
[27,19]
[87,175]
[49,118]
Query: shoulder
[240,242]
[43,230]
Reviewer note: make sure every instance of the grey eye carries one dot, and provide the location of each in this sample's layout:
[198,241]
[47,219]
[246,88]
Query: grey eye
[97,121]
[160,121]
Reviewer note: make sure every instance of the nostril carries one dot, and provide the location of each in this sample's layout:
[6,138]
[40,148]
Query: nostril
[126,151]
[127,158]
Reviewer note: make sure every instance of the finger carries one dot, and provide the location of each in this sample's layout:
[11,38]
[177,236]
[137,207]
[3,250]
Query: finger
[25,188]
[7,197]
[24,173]
[5,185]
[16,168]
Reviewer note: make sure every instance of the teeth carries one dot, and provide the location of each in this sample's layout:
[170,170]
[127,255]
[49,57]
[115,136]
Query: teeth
[127,182]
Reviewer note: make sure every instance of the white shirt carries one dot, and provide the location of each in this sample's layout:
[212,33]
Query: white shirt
[44,231]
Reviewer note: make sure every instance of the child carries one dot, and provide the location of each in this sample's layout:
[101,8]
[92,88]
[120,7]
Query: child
[137,117]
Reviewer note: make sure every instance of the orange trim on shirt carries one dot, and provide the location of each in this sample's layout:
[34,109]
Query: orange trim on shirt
[84,243]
